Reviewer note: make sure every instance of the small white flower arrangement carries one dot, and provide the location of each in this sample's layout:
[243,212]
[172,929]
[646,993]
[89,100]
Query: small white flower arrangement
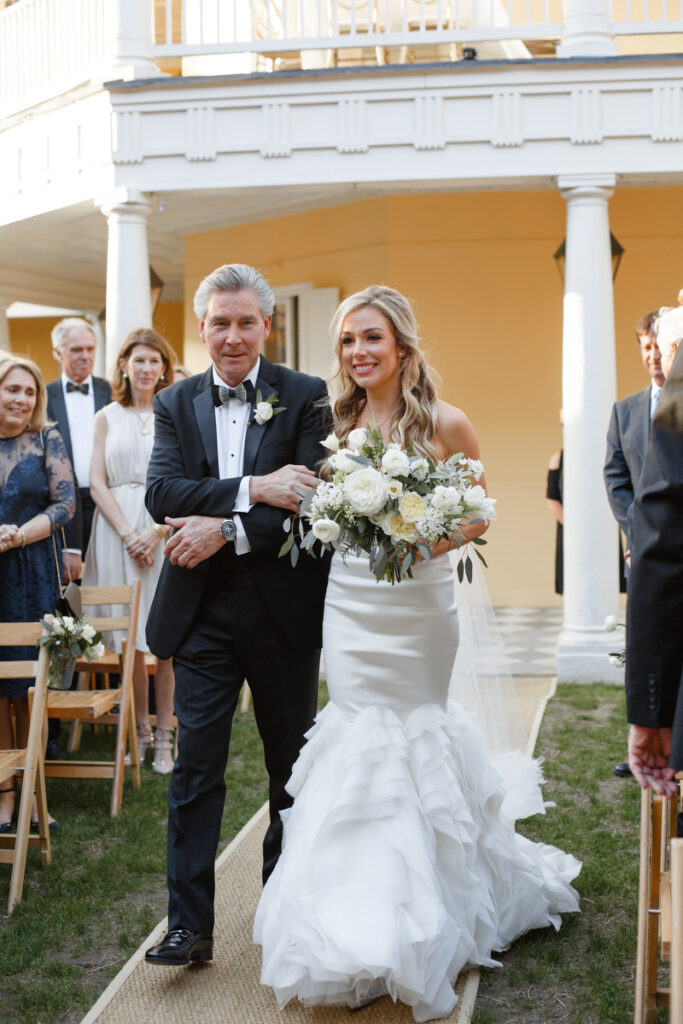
[390,504]
[66,639]
[265,410]
[617,659]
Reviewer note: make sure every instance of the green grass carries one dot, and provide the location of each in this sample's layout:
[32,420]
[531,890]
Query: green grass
[85,914]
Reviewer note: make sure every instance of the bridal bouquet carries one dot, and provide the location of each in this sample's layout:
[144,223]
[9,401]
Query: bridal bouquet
[390,504]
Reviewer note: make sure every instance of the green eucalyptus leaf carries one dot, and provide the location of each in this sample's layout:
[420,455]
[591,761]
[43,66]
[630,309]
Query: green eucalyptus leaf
[468,569]
[480,557]
[461,570]
[286,546]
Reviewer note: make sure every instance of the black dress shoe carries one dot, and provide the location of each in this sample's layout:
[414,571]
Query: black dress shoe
[55,751]
[181,946]
[622,770]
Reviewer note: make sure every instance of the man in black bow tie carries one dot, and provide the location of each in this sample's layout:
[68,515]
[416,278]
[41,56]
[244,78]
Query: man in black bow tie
[226,607]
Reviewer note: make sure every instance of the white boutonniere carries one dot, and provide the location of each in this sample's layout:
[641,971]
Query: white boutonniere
[265,410]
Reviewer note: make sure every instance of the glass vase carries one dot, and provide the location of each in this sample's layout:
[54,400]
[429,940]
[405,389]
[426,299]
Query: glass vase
[60,672]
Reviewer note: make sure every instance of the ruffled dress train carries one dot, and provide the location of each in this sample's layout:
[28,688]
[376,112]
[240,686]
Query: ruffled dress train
[399,865]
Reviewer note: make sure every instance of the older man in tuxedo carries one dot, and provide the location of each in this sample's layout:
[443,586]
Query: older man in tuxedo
[226,472]
[654,637]
[72,402]
[628,436]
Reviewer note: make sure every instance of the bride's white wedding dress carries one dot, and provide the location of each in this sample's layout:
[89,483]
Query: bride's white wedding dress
[398,865]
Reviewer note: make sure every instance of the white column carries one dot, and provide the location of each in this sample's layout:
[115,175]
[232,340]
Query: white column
[4,325]
[591,553]
[128,291]
[132,27]
[588,30]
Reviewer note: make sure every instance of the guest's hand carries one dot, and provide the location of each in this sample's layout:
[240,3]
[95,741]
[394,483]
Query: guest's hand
[72,566]
[9,533]
[648,758]
[284,488]
[139,549]
[196,539]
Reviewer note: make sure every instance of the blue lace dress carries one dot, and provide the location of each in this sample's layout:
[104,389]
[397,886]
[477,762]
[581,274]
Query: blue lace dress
[35,477]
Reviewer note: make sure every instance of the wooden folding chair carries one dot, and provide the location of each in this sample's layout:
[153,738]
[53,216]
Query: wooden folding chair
[25,763]
[109,706]
[660,909]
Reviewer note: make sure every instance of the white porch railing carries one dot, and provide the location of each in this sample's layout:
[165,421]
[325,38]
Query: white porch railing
[50,46]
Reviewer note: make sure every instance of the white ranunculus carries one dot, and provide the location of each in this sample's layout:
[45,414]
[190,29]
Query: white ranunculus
[341,460]
[326,530]
[68,622]
[331,442]
[611,623]
[264,412]
[88,632]
[484,506]
[446,499]
[357,438]
[366,491]
[419,468]
[395,462]
[615,661]
[394,487]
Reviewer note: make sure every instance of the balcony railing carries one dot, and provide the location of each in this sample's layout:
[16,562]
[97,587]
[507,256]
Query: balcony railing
[48,47]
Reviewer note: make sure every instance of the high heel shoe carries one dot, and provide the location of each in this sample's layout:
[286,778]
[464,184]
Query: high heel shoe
[163,746]
[145,737]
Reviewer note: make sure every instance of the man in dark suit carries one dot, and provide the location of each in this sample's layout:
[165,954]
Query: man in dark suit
[226,472]
[628,436]
[654,637]
[72,402]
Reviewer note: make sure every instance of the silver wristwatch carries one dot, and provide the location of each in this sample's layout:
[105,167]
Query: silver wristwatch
[228,529]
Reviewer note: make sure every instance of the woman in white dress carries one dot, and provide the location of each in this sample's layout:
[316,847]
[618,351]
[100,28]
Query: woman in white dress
[126,544]
[399,866]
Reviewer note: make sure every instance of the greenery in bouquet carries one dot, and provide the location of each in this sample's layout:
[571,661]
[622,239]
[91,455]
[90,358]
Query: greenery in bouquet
[66,637]
[390,504]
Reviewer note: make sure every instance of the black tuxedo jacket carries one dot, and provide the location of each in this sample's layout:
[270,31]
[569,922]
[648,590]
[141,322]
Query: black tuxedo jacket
[56,410]
[628,436]
[182,480]
[654,632]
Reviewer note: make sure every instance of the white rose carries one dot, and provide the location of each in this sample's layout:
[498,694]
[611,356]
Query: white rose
[49,619]
[357,438]
[476,467]
[446,499]
[97,651]
[88,632]
[395,462]
[341,460]
[68,622]
[419,468]
[394,487]
[326,530]
[366,491]
[484,506]
[264,412]
[331,442]
[615,661]
[610,623]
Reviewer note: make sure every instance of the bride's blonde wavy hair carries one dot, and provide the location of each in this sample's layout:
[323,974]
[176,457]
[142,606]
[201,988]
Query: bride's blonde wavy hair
[414,419]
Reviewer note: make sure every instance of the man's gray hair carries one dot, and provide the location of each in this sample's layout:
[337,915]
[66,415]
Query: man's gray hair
[60,330]
[234,277]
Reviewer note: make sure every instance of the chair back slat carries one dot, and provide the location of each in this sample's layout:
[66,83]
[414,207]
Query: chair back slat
[110,622]
[106,595]
[19,634]
[18,669]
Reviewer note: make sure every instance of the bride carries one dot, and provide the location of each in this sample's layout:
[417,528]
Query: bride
[399,866]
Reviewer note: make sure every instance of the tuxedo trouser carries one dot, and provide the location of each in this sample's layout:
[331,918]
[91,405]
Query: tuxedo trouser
[233,637]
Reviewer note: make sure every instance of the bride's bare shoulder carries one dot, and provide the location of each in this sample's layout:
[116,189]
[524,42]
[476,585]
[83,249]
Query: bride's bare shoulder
[454,430]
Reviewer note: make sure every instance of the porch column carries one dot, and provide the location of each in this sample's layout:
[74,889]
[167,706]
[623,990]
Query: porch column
[4,325]
[588,29]
[128,292]
[591,552]
[132,27]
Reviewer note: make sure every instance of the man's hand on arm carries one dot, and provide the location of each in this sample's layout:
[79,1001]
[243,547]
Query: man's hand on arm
[648,758]
[284,488]
[196,539]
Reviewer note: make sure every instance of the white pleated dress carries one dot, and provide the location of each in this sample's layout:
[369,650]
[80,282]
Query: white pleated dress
[127,451]
[398,866]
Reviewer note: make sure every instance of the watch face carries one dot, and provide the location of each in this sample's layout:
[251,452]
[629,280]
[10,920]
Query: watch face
[228,529]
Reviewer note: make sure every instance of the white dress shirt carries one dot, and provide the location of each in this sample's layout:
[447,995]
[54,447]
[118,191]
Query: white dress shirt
[80,412]
[232,423]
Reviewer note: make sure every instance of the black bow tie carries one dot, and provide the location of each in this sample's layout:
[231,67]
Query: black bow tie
[244,392]
[83,388]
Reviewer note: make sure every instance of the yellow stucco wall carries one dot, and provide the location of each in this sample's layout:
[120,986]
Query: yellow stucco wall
[479,270]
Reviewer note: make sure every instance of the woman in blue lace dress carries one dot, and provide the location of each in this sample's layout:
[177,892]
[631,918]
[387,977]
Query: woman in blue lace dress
[37,497]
